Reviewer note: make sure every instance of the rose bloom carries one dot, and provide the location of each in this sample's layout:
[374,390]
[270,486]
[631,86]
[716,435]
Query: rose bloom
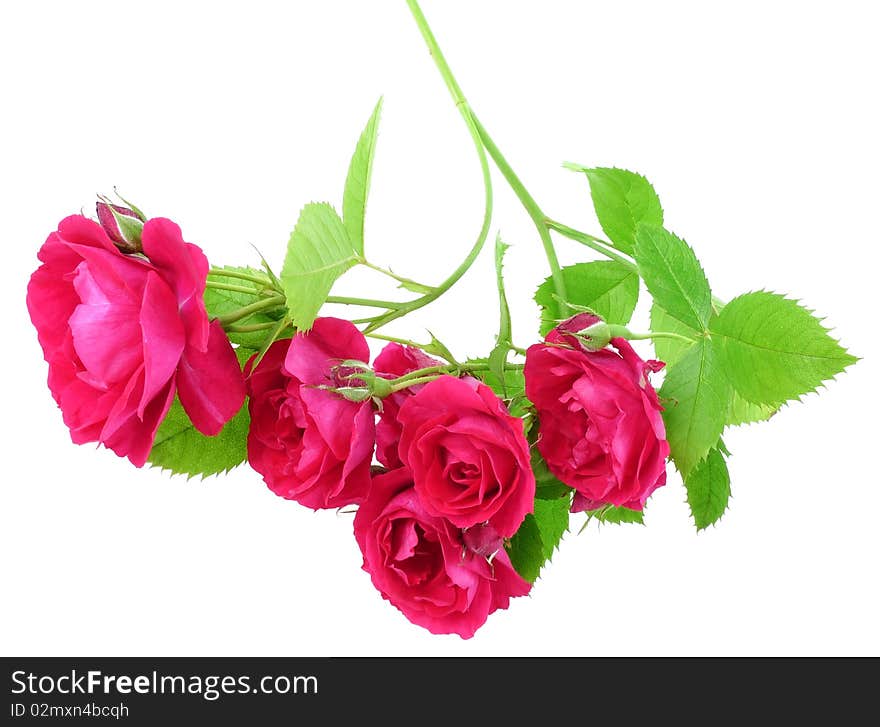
[468,456]
[122,334]
[395,360]
[310,444]
[423,564]
[600,426]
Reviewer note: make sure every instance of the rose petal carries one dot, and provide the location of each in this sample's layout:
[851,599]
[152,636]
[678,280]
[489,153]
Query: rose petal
[210,383]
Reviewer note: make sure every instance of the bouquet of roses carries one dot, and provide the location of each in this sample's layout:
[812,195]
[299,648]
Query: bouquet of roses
[464,473]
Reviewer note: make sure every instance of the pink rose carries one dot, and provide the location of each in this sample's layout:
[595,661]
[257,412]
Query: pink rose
[310,444]
[468,455]
[422,564]
[123,333]
[393,361]
[600,426]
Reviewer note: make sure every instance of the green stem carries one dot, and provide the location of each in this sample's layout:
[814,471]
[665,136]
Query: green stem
[419,373]
[442,66]
[413,382]
[531,207]
[596,243]
[406,282]
[658,334]
[239,288]
[430,373]
[254,277]
[366,302]
[395,339]
[462,106]
[236,315]
[435,347]
[250,327]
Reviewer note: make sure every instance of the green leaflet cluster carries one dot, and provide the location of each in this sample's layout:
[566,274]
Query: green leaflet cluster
[322,246]
[726,364]
[444,476]
[735,363]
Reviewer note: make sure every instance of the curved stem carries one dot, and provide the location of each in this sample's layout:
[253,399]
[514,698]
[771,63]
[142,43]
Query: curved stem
[461,103]
[434,49]
[367,319]
[413,382]
[419,373]
[531,207]
[236,315]
[366,302]
[395,339]
[250,327]
[257,292]
[596,243]
[254,277]
[658,334]
[430,373]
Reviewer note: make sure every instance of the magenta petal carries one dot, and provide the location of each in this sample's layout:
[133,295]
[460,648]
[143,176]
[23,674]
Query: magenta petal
[163,337]
[134,437]
[185,268]
[312,356]
[105,332]
[210,384]
[397,360]
[80,230]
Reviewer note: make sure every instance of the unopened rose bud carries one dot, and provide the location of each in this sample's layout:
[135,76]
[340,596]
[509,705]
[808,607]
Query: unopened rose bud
[599,335]
[596,336]
[122,225]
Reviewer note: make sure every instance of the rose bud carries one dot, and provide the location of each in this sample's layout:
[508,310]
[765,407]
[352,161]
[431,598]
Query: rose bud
[122,225]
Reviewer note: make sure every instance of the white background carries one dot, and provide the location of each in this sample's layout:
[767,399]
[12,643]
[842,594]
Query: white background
[757,123]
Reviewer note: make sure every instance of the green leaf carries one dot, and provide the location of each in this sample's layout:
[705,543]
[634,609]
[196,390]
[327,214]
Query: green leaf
[547,487]
[745,412]
[357,183]
[617,515]
[504,330]
[606,287]
[708,490]
[552,518]
[218,302]
[526,549]
[673,276]
[622,200]
[414,287]
[511,387]
[498,367]
[436,347]
[670,350]
[774,349]
[696,396]
[538,536]
[319,251]
[182,449]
